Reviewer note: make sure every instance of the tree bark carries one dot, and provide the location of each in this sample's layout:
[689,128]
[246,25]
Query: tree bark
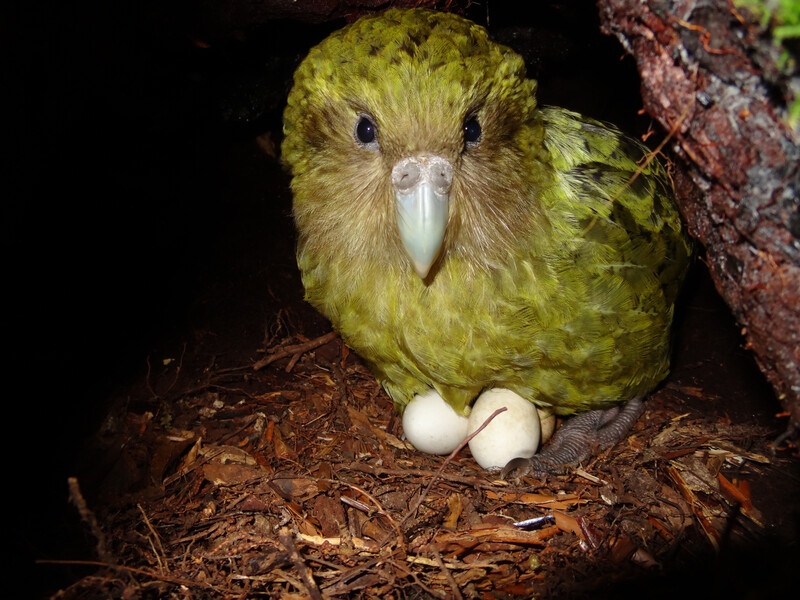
[738,174]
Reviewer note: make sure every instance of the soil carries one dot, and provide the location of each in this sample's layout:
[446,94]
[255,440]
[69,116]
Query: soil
[197,475]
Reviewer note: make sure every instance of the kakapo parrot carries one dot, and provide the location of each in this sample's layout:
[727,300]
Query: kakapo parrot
[461,237]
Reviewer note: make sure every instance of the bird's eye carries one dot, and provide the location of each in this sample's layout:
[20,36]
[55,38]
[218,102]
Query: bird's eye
[472,130]
[366,131]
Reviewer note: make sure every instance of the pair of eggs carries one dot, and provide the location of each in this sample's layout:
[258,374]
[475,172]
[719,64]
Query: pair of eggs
[432,426]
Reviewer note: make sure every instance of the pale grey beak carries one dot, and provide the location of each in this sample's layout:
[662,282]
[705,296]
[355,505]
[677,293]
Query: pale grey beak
[422,191]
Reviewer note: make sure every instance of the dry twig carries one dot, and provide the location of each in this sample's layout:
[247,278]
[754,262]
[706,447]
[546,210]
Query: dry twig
[295,351]
[285,537]
[90,519]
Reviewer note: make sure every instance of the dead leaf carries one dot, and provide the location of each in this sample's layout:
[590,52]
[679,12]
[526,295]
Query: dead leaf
[230,474]
[295,487]
[622,548]
[455,507]
[740,495]
[226,455]
[281,449]
[568,524]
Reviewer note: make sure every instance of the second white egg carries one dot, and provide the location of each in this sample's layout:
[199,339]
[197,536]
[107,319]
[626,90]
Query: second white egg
[511,434]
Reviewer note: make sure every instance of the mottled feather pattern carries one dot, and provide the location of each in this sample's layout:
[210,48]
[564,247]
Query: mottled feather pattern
[563,251]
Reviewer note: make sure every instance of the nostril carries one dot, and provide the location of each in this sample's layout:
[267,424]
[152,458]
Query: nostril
[406,175]
[441,174]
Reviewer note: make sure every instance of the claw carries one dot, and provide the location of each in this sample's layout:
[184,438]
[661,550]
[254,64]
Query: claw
[577,439]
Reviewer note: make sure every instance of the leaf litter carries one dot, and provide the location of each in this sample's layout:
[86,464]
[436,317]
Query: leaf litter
[293,480]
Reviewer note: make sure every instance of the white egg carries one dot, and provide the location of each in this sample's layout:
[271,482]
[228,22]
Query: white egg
[511,434]
[432,426]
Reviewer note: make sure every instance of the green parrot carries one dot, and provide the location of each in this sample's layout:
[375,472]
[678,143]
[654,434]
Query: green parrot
[460,237]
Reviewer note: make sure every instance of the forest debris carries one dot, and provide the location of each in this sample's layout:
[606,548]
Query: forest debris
[362,422]
[622,548]
[356,504]
[463,579]
[734,455]
[294,351]
[310,585]
[701,512]
[330,514]
[469,539]
[696,475]
[167,449]
[229,465]
[578,526]
[555,501]
[155,543]
[455,506]
[88,517]
[588,476]
[661,528]
[567,524]
[230,474]
[740,495]
[489,561]
[281,449]
[360,544]
[268,397]
[227,455]
[294,487]
[418,502]
[252,504]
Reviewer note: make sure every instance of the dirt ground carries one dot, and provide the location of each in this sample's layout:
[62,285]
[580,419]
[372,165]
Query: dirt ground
[200,476]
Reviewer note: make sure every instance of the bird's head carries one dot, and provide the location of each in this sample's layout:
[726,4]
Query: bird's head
[406,134]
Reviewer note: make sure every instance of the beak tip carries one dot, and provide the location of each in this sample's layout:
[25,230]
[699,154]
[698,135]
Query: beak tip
[422,269]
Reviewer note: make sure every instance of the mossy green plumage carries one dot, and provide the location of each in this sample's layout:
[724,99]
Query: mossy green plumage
[563,251]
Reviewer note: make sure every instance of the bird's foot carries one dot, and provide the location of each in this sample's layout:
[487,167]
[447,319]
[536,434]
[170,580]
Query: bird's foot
[577,439]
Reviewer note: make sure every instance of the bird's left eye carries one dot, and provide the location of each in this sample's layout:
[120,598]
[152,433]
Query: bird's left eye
[366,132]
[472,130]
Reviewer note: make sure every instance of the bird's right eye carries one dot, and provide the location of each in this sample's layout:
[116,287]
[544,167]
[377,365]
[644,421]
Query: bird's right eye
[366,131]
[472,131]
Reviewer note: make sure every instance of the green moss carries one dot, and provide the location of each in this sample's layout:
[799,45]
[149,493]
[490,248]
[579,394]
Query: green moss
[780,21]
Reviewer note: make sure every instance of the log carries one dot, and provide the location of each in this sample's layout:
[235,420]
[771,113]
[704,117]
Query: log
[738,163]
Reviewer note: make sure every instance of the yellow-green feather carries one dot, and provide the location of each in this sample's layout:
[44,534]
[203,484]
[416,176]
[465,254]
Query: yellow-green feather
[563,252]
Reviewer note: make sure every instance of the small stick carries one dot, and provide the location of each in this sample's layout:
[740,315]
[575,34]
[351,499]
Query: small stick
[295,350]
[447,575]
[162,565]
[285,537]
[90,519]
